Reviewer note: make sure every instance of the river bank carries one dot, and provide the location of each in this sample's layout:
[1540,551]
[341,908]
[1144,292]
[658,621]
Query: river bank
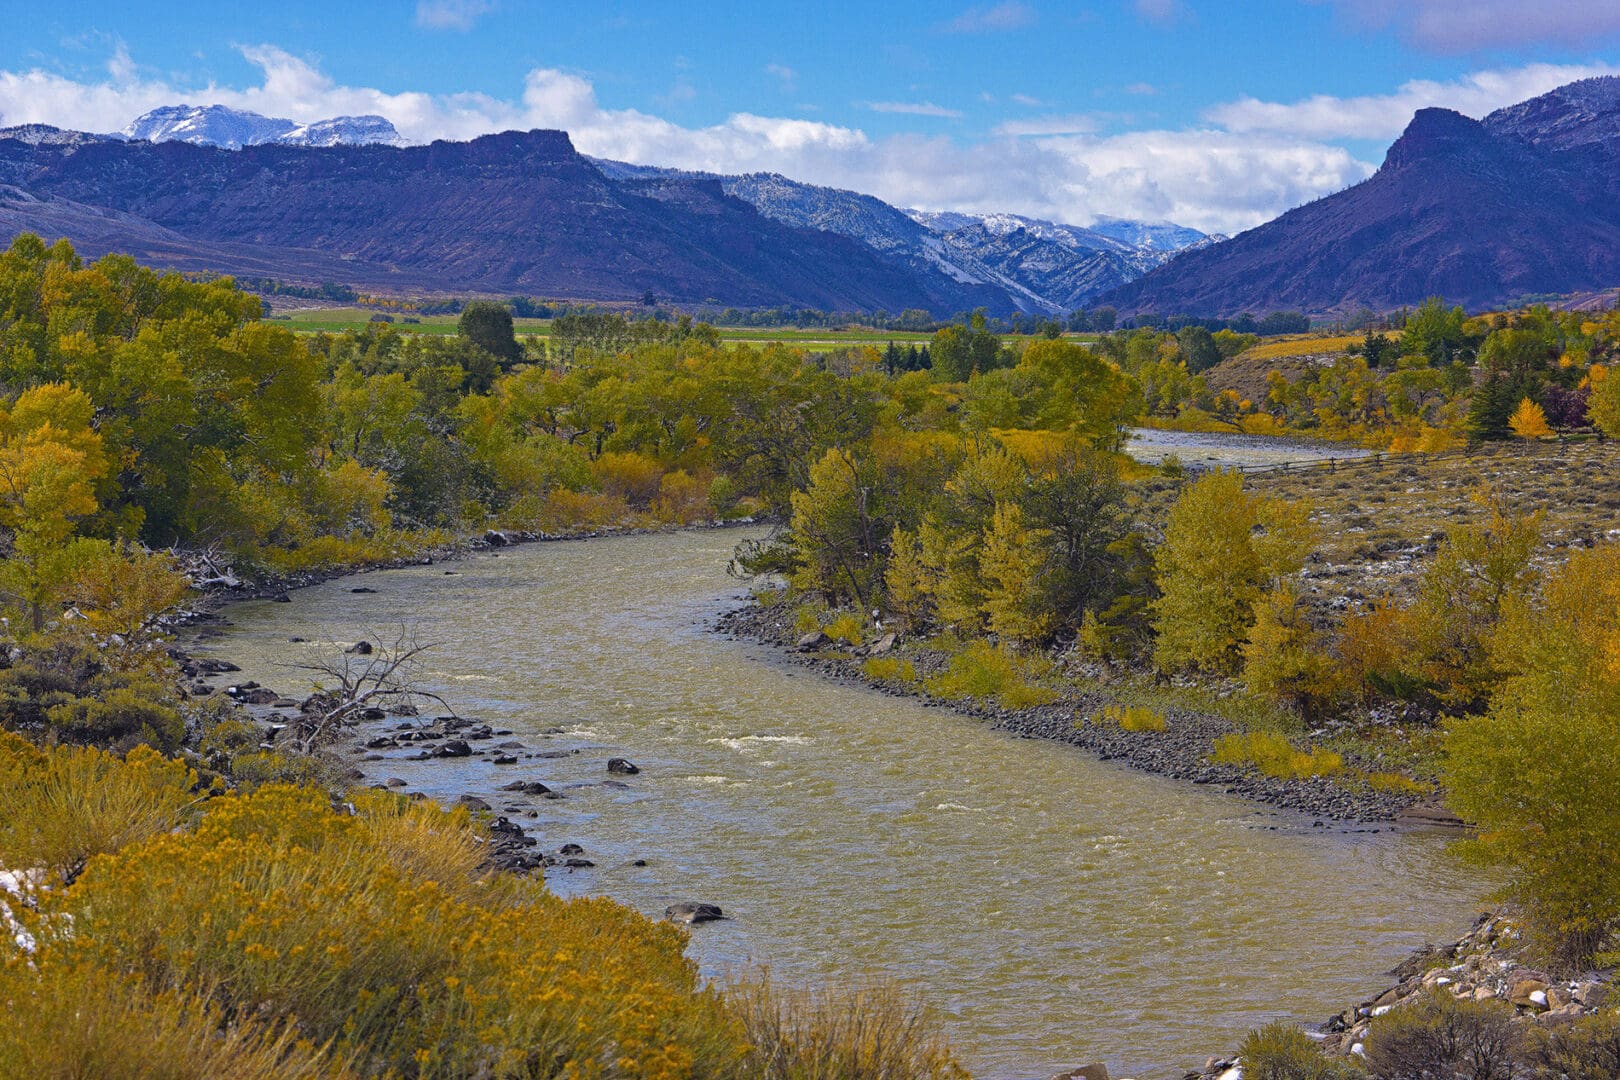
[1180,752]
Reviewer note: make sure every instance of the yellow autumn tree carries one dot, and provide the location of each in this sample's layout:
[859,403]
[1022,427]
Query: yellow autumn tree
[50,460]
[908,581]
[1011,562]
[1539,771]
[1529,421]
[1223,548]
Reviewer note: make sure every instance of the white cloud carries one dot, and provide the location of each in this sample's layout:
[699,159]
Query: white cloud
[1214,180]
[1384,116]
[1027,101]
[451,14]
[1074,124]
[1163,12]
[1454,26]
[1009,15]
[785,75]
[914,108]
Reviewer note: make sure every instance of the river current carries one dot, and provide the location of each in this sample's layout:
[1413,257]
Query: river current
[1052,908]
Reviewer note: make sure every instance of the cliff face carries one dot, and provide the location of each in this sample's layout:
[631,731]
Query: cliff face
[1480,212]
[518,211]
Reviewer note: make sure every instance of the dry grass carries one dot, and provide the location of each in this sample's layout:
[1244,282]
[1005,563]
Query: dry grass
[1304,345]
[874,1032]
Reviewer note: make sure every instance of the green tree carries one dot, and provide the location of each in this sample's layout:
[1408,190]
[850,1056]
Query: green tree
[489,326]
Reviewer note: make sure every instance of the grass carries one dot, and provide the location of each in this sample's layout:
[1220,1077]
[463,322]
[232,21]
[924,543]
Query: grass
[847,628]
[1306,345]
[1274,755]
[336,320]
[889,669]
[1133,717]
[873,1032]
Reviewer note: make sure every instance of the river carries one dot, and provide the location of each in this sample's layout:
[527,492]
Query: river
[1054,909]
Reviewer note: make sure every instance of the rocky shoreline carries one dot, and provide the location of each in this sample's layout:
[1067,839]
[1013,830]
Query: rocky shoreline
[1180,752]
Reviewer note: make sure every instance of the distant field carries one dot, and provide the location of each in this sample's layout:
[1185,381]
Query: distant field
[817,339]
[1307,345]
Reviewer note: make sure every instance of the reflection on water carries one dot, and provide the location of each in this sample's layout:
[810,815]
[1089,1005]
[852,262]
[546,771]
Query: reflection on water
[1054,909]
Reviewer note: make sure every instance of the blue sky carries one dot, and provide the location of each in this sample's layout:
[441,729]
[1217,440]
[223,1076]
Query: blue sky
[1218,115]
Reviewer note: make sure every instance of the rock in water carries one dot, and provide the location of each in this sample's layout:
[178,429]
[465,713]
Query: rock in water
[692,914]
[622,767]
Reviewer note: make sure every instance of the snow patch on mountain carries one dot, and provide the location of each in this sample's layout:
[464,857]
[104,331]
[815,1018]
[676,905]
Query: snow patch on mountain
[232,129]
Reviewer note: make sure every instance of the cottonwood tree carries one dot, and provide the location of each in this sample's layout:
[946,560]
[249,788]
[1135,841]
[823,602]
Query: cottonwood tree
[1223,548]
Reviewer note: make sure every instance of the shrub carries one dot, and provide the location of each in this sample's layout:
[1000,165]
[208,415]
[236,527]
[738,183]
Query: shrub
[1586,1049]
[629,476]
[869,1033]
[847,628]
[131,712]
[1442,1036]
[72,1021]
[1395,784]
[273,767]
[1133,717]
[366,931]
[1281,1051]
[806,619]
[61,806]
[890,669]
[984,672]
[1274,755]
[682,498]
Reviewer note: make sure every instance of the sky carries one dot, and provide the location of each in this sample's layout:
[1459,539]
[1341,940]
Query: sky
[1214,115]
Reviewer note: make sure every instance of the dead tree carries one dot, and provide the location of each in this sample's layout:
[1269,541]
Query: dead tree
[361,680]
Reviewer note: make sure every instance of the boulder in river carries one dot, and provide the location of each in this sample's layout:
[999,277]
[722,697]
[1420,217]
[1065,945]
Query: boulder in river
[453,748]
[691,914]
[360,648]
[622,767]
[1094,1071]
[473,803]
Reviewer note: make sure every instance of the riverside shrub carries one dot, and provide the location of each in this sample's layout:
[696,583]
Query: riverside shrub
[374,935]
[1281,1051]
[983,671]
[1274,755]
[1443,1036]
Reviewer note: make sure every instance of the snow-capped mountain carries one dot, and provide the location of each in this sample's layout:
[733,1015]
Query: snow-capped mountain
[1043,266]
[232,129]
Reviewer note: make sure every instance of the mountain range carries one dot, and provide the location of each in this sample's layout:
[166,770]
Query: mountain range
[207,187]
[1521,204]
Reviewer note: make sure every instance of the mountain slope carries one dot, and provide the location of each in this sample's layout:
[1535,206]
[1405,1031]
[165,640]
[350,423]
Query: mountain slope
[1526,202]
[1045,267]
[511,212]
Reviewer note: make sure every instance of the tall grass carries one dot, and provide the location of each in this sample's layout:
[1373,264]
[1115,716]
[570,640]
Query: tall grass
[871,1032]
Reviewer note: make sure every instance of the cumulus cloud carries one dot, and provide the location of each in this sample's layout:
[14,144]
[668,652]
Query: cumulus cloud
[1010,15]
[1052,167]
[1454,26]
[914,108]
[1384,116]
[451,14]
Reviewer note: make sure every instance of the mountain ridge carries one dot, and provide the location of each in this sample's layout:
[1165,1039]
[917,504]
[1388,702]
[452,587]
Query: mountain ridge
[1525,202]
